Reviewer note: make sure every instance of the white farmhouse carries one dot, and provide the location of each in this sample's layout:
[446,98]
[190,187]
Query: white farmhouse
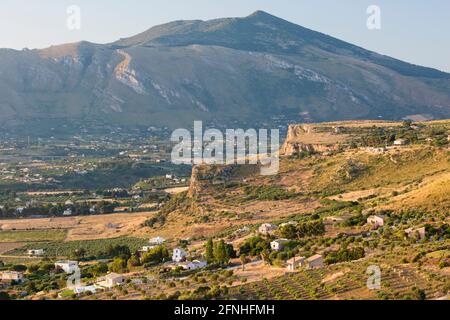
[419,233]
[67,212]
[314,262]
[67,266]
[193,265]
[179,255]
[376,221]
[157,241]
[267,228]
[35,252]
[112,280]
[147,248]
[10,276]
[278,244]
[294,263]
[84,289]
[400,142]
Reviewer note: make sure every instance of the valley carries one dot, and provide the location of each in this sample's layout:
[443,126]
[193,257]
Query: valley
[349,197]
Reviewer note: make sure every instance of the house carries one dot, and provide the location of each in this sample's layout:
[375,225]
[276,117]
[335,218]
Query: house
[278,244]
[290,223]
[267,228]
[314,262]
[376,221]
[84,289]
[67,266]
[36,253]
[157,241]
[147,248]
[400,142]
[193,265]
[419,233]
[294,263]
[179,255]
[111,280]
[11,276]
[67,212]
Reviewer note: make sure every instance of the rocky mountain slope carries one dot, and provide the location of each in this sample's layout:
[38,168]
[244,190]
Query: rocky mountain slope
[248,71]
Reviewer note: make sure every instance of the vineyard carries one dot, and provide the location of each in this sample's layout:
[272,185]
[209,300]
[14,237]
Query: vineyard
[92,247]
[396,282]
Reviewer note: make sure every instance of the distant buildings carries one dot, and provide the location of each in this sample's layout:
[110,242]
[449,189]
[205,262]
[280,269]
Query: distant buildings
[278,244]
[400,142]
[294,263]
[112,280]
[67,266]
[193,265]
[267,228]
[179,255]
[376,221]
[11,276]
[314,262]
[35,253]
[157,241]
[419,233]
[67,212]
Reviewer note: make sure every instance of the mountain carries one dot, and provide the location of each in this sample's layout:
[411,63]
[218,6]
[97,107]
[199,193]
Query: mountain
[246,71]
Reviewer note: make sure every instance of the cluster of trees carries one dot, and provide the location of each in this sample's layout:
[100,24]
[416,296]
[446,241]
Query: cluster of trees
[254,246]
[301,230]
[344,254]
[219,252]
[81,208]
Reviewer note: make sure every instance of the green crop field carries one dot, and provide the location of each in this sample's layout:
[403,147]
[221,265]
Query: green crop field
[32,235]
[92,247]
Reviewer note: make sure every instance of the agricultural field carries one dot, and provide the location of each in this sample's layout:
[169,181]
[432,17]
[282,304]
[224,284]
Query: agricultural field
[32,235]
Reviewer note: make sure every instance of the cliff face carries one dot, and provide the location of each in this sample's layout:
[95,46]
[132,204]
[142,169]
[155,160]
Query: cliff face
[308,138]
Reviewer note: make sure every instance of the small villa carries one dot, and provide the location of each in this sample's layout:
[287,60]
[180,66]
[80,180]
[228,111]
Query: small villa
[314,262]
[179,255]
[67,266]
[294,263]
[11,276]
[35,253]
[376,221]
[111,280]
[193,265]
[157,241]
[267,228]
[419,233]
[278,244]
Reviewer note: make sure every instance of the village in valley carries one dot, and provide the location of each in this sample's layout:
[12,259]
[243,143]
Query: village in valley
[351,199]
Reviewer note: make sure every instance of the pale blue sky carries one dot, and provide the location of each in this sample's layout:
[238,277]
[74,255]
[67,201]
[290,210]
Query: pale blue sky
[417,31]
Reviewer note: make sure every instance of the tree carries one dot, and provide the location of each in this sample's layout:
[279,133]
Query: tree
[79,253]
[209,253]
[243,259]
[119,265]
[220,253]
[133,262]
[156,255]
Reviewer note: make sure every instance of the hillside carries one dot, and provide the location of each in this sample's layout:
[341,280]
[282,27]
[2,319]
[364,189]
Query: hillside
[251,71]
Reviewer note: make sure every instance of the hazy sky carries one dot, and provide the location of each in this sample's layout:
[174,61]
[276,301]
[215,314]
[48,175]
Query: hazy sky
[417,31]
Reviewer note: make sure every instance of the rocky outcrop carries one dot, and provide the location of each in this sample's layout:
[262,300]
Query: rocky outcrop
[306,138]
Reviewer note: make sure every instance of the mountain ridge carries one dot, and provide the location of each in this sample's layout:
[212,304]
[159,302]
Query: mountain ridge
[255,70]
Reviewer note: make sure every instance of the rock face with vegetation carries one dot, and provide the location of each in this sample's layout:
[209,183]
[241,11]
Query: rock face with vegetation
[254,70]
